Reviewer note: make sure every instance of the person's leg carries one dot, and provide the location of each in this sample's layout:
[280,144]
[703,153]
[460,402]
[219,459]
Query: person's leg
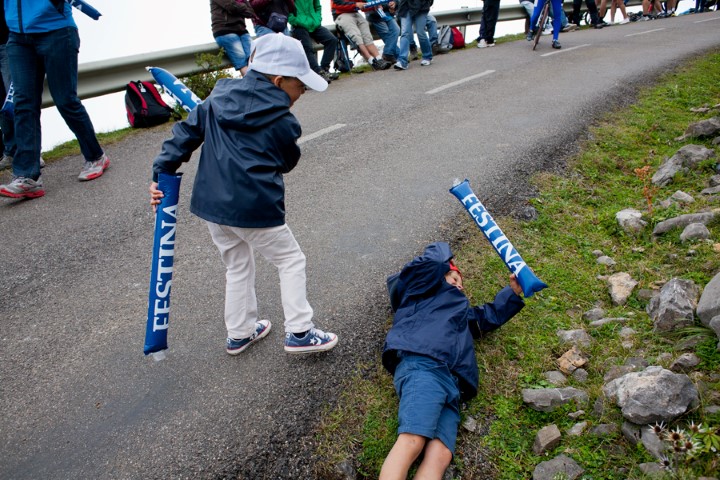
[432,29]
[240,300]
[621,5]
[279,247]
[420,21]
[329,42]
[556,19]
[402,455]
[389,32]
[493,7]
[593,10]
[233,46]
[27,72]
[7,123]
[575,17]
[435,461]
[406,37]
[303,35]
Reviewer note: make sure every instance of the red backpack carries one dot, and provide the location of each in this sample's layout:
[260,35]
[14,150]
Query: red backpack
[458,40]
[144,106]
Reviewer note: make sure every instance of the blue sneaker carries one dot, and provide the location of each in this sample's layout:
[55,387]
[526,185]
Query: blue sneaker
[262,328]
[315,340]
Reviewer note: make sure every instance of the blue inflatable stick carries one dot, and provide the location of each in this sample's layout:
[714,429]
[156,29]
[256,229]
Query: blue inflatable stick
[88,10]
[175,88]
[527,279]
[163,256]
[8,107]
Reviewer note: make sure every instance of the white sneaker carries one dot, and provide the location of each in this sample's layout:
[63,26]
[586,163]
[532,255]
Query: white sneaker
[425,63]
[624,21]
[92,170]
[482,43]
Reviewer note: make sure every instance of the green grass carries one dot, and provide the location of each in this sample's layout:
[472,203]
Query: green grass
[576,216]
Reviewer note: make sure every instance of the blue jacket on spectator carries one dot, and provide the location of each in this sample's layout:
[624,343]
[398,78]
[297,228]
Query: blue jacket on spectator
[435,319]
[249,140]
[38,16]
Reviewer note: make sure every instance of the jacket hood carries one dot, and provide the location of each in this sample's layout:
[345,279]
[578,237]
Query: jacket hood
[250,105]
[425,273]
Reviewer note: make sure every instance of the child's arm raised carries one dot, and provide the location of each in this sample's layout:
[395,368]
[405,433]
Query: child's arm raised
[488,317]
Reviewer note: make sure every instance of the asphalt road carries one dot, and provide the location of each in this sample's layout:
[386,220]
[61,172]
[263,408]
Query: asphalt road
[78,398]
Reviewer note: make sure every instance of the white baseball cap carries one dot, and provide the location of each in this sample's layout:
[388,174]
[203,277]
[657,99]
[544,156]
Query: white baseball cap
[278,54]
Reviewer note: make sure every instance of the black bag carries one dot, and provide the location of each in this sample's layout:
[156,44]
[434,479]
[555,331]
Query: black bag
[277,22]
[342,58]
[144,106]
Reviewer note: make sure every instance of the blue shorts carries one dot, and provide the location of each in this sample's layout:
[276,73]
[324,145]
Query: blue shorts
[429,399]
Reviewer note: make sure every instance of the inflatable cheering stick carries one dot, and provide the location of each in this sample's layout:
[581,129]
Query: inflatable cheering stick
[175,88]
[526,278]
[163,255]
[88,10]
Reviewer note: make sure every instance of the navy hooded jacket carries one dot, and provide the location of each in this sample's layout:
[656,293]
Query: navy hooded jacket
[249,140]
[435,319]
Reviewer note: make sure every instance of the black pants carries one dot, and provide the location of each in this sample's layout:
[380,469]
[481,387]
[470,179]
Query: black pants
[592,8]
[322,36]
[491,10]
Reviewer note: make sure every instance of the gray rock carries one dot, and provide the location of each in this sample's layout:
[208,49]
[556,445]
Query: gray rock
[689,343]
[597,253]
[637,362]
[607,261]
[630,220]
[702,129]
[604,429]
[695,231]
[556,377]
[553,469]
[620,285]
[599,407]
[548,399]
[683,221]
[527,213]
[715,325]
[575,337]
[674,307]
[685,363]
[626,333]
[651,442]
[651,469]
[580,375]
[470,424]
[710,190]
[682,197]
[664,358]
[646,294]
[617,371]
[712,409]
[577,429]
[546,439]
[631,432]
[653,395]
[685,158]
[709,304]
[603,321]
[346,470]
[593,314]
[577,414]
[714,180]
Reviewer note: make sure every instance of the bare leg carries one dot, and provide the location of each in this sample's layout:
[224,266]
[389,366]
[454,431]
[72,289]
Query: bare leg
[406,449]
[364,52]
[621,5]
[372,49]
[436,460]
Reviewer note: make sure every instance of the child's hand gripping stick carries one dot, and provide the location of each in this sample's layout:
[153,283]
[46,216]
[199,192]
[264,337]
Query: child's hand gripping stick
[525,276]
[163,256]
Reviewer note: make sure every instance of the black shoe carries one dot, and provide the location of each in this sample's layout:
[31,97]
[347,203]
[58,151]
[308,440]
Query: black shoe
[332,75]
[531,35]
[597,26]
[556,45]
[389,58]
[380,64]
[435,49]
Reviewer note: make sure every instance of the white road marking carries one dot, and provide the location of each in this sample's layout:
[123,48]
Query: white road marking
[646,31]
[458,82]
[320,133]
[565,50]
[707,20]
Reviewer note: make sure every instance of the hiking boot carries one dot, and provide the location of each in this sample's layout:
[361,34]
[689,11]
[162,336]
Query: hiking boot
[425,63]
[92,170]
[380,64]
[556,45]
[399,66]
[23,187]
[333,75]
[389,58]
[325,76]
[315,340]
[435,48]
[234,347]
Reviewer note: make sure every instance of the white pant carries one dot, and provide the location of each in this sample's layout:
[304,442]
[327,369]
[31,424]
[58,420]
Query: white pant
[279,247]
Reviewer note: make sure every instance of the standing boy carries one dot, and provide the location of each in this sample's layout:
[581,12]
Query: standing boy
[249,139]
[430,352]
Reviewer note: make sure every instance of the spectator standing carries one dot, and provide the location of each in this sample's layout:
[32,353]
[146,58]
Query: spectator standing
[230,32]
[249,140]
[413,15]
[592,10]
[387,29]
[535,29]
[271,16]
[44,42]
[356,27]
[6,119]
[490,13]
[307,26]
[621,5]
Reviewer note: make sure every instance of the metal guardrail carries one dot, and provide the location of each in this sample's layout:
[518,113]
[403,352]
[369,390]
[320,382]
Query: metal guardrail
[110,76]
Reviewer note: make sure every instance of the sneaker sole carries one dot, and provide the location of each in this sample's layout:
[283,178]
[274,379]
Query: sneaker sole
[313,348]
[93,176]
[262,335]
[36,194]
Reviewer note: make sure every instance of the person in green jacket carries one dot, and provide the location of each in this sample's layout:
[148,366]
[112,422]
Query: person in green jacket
[306,27]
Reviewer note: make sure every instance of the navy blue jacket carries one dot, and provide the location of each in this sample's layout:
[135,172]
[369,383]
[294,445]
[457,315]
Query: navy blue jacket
[249,140]
[435,319]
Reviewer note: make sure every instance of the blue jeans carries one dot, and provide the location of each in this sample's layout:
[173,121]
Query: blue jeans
[237,48]
[407,23]
[322,36]
[432,30]
[32,57]
[389,31]
[7,122]
[261,30]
